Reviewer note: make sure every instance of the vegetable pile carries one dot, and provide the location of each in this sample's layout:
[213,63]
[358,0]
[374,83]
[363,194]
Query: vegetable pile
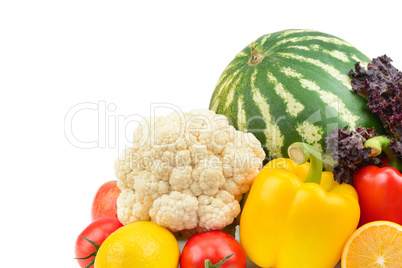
[319,198]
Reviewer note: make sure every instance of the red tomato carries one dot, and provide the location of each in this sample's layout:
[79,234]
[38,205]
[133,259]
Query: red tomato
[97,232]
[105,201]
[214,246]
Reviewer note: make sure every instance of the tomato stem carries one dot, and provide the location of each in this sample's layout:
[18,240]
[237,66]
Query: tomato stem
[301,152]
[209,264]
[93,254]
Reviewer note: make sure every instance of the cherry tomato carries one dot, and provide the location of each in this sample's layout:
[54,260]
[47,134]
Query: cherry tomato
[92,237]
[213,246]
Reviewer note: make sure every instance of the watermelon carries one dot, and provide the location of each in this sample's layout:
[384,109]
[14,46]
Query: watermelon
[290,86]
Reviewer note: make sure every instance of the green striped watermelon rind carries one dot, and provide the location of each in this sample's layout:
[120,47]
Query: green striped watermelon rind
[290,86]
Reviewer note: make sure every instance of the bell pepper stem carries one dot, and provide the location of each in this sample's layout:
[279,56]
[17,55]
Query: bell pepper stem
[301,152]
[380,144]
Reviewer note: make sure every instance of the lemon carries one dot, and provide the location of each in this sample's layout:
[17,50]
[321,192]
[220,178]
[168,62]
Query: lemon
[139,244]
[375,244]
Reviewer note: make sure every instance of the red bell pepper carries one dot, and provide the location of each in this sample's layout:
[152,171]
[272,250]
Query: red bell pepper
[380,188]
[380,194]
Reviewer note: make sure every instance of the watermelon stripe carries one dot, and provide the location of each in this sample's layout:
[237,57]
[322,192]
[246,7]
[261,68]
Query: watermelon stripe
[293,106]
[311,134]
[272,132]
[242,54]
[328,40]
[231,90]
[343,78]
[300,47]
[337,54]
[333,53]
[362,63]
[241,115]
[225,83]
[327,97]
[265,39]
[295,31]
[233,65]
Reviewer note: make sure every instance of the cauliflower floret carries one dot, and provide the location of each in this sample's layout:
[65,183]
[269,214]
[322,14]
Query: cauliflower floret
[186,171]
[181,178]
[208,177]
[216,212]
[176,210]
[129,210]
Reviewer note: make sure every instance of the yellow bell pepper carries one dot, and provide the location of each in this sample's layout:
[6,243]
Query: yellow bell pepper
[296,215]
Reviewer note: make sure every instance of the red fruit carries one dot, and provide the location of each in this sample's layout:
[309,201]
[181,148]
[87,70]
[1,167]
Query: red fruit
[105,201]
[380,194]
[92,237]
[214,246]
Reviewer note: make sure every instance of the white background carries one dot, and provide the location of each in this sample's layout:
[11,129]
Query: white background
[125,55]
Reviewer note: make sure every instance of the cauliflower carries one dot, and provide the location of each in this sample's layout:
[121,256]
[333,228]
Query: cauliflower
[186,172]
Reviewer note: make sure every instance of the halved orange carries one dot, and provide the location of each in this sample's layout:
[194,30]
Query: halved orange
[375,244]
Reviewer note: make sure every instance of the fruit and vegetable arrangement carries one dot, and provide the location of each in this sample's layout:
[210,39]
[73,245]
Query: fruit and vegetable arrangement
[296,163]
